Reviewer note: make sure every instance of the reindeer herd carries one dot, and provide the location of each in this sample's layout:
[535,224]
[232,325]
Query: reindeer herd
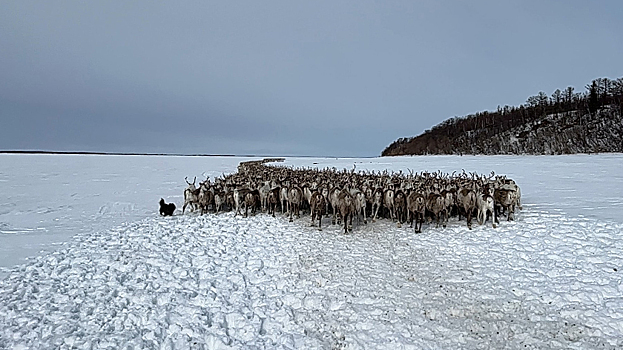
[344,195]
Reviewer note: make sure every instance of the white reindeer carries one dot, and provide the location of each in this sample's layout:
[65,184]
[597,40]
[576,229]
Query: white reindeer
[360,204]
[191,196]
[486,204]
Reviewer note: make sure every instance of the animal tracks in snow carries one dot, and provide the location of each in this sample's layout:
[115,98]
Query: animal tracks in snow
[219,282]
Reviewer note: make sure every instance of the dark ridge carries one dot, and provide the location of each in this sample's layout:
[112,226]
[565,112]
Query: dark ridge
[564,123]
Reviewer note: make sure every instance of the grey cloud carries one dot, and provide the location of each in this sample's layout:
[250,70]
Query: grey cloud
[282,77]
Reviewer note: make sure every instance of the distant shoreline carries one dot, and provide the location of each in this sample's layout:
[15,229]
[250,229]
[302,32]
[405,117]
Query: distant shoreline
[127,154]
[158,154]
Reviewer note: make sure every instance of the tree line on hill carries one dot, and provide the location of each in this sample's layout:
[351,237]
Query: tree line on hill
[565,122]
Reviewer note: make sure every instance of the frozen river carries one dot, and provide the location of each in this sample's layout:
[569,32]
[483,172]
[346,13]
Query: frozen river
[98,268]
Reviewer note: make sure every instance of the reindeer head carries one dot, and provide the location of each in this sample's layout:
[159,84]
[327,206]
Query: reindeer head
[191,186]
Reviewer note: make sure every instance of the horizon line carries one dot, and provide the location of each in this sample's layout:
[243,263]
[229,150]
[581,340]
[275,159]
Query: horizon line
[163,154]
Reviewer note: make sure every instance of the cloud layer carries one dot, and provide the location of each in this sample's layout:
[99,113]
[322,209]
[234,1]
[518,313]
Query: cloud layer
[282,78]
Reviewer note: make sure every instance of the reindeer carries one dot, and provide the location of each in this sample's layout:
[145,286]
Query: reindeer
[504,183]
[346,207]
[317,208]
[377,202]
[191,196]
[449,199]
[263,191]
[206,197]
[295,198]
[466,200]
[251,200]
[416,206]
[400,205]
[436,204]
[349,193]
[239,199]
[334,195]
[283,198]
[272,199]
[325,194]
[505,201]
[486,205]
[307,193]
[369,192]
[220,198]
[388,202]
[360,204]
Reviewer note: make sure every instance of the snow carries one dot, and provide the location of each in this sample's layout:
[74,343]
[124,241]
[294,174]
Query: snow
[47,199]
[130,279]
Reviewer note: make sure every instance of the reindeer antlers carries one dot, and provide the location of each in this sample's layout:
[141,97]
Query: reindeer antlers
[186,179]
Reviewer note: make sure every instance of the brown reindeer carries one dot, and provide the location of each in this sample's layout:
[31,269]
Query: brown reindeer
[317,208]
[466,200]
[416,207]
[295,199]
[251,200]
[272,199]
[400,205]
[436,205]
[346,206]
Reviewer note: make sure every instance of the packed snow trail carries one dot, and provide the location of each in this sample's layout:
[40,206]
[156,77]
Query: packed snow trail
[544,281]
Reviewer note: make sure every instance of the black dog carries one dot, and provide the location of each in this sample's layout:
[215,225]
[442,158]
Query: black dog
[166,209]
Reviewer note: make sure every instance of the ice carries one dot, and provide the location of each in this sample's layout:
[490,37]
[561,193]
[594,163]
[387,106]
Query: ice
[46,199]
[128,278]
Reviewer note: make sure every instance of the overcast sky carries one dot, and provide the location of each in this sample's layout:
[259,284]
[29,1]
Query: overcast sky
[343,78]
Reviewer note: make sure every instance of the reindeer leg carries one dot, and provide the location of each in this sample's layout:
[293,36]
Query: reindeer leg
[493,219]
[350,229]
[372,213]
[320,222]
[416,219]
[375,212]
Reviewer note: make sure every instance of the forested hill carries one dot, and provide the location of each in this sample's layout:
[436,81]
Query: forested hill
[563,123]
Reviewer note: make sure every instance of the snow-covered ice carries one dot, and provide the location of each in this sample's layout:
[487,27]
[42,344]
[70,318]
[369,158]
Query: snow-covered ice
[47,199]
[549,280]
